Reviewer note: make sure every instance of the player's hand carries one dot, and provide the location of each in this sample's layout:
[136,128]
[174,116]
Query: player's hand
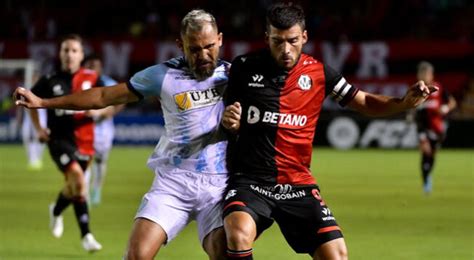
[24,97]
[231,118]
[417,94]
[43,135]
[444,110]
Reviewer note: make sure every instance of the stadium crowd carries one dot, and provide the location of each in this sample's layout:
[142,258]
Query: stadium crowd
[328,20]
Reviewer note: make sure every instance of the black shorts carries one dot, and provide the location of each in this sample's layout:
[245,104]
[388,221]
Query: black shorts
[426,132]
[64,153]
[304,218]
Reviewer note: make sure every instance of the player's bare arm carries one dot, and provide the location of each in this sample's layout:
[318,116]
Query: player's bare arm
[43,133]
[445,109]
[231,117]
[94,98]
[379,105]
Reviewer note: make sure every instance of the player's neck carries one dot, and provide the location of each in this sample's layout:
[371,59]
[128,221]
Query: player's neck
[71,70]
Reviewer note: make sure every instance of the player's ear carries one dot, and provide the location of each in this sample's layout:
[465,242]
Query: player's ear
[267,39]
[219,39]
[179,43]
[305,36]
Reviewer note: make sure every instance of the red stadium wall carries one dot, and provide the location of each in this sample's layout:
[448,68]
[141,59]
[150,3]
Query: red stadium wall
[386,64]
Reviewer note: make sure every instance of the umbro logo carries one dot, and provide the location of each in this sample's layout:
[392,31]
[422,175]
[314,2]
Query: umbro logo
[257,78]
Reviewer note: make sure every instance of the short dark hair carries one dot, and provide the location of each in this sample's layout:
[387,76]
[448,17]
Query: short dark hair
[74,37]
[91,57]
[285,15]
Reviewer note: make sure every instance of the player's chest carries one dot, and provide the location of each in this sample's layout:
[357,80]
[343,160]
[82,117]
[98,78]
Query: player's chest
[61,86]
[269,90]
[183,96]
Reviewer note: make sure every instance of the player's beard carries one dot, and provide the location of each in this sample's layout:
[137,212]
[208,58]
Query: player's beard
[205,72]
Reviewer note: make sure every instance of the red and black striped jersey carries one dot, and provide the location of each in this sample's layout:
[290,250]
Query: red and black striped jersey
[72,126]
[429,116]
[280,111]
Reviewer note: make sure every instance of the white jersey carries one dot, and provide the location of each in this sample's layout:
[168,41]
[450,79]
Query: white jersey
[104,130]
[192,110]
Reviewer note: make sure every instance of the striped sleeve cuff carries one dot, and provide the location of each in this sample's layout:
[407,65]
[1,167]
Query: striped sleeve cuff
[344,92]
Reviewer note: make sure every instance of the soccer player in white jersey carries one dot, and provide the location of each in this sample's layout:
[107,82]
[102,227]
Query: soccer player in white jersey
[103,134]
[189,160]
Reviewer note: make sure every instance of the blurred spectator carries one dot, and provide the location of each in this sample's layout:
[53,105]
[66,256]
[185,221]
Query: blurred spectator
[359,20]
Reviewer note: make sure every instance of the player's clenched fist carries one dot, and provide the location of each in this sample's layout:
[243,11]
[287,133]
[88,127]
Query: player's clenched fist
[231,118]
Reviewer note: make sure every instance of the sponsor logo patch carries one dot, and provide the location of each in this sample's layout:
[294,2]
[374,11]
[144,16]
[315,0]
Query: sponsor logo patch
[58,90]
[230,194]
[86,85]
[64,159]
[254,116]
[256,81]
[279,193]
[197,99]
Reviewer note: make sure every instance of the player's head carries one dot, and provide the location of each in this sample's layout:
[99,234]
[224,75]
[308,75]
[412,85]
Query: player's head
[200,41]
[71,53]
[286,33]
[425,72]
[93,62]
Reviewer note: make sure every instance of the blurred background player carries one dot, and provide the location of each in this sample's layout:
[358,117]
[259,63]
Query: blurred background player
[431,121]
[33,147]
[69,136]
[103,134]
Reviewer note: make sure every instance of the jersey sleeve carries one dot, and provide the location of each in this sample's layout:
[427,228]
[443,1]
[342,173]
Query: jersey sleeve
[148,82]
[232,92]
[337,87]
[107,81]
[40,88]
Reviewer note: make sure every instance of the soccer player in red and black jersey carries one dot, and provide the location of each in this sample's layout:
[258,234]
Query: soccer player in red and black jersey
[431,122]
[274,99]
[69,135]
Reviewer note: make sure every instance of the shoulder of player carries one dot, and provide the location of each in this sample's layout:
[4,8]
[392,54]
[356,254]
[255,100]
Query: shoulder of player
[222,66]
[86,74]
[175,63]
[250,60]
[87,71]
[107,80]
[52,75]
[437,84]
[308,61]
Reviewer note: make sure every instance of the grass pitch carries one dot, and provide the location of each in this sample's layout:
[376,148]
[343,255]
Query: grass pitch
[375,195]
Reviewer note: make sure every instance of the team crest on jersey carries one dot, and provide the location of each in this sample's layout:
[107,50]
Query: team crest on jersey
[196,99]
[86,85]
[58,90]
[304,82]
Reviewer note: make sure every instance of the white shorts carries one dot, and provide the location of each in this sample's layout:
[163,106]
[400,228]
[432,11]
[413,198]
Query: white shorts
[177,197]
